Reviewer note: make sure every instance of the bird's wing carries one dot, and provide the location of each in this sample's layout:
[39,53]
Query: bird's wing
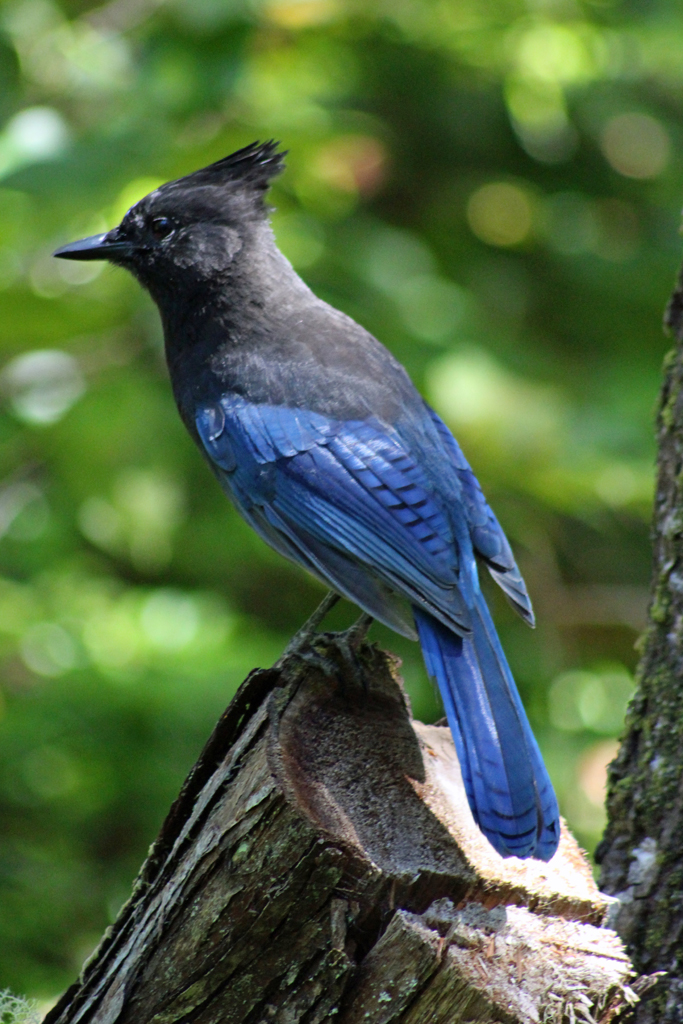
[488,539]
[347,500]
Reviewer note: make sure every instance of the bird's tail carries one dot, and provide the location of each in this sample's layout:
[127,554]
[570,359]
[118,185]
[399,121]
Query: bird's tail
[507,784]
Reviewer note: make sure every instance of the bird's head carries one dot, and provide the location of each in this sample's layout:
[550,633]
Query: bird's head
[192,230]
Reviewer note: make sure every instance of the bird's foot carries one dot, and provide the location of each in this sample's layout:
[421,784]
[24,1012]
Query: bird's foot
[333,654]
[347,644]
[317,659]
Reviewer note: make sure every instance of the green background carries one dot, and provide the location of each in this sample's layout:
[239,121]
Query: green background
[490,186]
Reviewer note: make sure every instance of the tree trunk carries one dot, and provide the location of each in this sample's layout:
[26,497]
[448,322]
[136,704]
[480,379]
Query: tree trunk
[642,852]
[321,864]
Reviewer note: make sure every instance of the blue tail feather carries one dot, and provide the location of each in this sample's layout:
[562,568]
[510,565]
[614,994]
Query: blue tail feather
[506,782]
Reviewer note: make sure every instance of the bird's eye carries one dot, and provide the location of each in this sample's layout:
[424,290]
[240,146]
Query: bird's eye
[161,227]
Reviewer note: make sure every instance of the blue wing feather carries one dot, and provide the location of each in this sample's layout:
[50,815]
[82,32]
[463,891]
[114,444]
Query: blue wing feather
[316,493]
[386,470]
[487,535]
[347,577]
[350,486]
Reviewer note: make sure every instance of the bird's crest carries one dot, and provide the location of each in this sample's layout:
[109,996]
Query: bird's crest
[255,165]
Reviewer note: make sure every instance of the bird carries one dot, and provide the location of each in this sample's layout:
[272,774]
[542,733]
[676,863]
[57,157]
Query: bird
[327,449]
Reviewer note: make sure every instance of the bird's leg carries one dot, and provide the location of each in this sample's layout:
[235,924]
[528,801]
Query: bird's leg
[311,624]
[357,633]
[348,643]
[300,644]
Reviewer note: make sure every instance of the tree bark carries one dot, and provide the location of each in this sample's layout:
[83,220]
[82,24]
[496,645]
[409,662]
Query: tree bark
[321,864]
[642,851]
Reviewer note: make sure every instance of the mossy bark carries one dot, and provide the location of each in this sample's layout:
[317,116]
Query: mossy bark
[642,851]
[321,865]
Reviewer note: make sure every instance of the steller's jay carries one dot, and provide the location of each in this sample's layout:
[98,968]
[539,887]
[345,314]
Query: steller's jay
[326,448]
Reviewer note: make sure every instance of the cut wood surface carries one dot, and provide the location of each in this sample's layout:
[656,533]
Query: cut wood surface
[321,863]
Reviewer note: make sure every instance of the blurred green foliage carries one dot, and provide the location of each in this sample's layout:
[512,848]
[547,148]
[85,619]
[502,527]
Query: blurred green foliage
[490,186]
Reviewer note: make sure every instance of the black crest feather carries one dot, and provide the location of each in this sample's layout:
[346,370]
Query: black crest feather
[255,165]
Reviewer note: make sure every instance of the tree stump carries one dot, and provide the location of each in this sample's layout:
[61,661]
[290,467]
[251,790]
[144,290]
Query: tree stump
[321,863]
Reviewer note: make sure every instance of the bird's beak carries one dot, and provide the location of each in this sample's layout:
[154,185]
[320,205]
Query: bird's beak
[96,247]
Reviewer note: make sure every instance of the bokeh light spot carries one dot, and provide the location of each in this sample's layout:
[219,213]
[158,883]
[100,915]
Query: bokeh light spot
[556,53]
[100,522]
[431,307]
[636,145]
[47,649]
[352,163]
[500,214]
[42,385]
[590,700]
[76,273]
[152,506]
[111,638]
[37,133]
[301,13]
[479,397]
[391,257]
[169,619]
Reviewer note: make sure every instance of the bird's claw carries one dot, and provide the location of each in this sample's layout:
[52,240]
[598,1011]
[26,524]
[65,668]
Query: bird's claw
[317,660]
[305,646]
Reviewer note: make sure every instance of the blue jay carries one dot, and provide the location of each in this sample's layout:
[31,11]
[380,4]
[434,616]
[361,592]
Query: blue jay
[329,452]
